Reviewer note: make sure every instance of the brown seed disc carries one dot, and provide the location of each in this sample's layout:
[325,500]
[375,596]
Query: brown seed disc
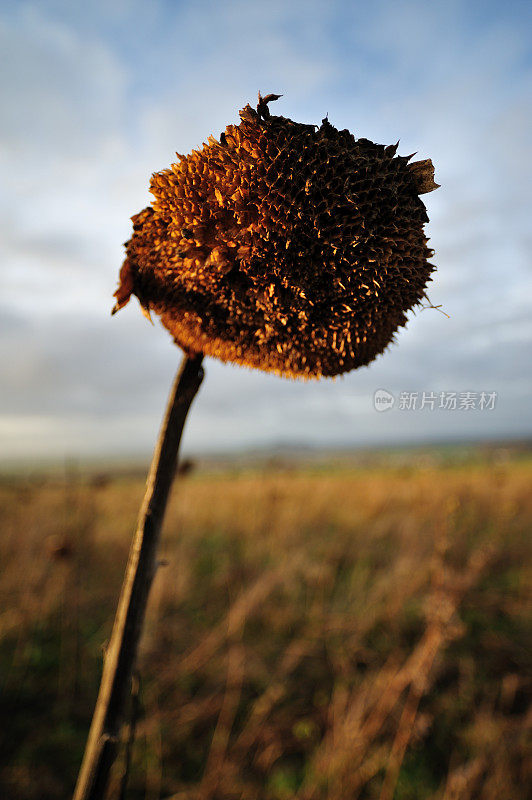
[284,247]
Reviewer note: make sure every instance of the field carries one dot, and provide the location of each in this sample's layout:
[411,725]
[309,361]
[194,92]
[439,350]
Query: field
[314,632]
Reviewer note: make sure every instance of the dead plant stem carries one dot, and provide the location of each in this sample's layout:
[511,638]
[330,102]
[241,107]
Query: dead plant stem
[120,657]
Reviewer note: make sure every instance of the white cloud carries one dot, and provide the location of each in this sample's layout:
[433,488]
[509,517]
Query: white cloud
[97,97]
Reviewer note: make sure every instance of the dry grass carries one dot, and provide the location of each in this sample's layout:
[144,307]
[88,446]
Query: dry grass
[313,635]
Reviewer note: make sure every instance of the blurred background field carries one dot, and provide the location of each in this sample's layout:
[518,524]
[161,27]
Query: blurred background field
[320,627]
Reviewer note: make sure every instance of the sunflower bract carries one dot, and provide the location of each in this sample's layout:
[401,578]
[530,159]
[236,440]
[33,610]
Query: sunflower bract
[282,246]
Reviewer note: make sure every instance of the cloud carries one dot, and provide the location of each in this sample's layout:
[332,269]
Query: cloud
[97,97]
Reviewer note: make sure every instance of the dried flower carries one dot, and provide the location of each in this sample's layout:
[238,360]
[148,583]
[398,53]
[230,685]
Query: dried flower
[285,247]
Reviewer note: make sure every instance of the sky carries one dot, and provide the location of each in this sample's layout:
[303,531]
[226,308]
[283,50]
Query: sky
[97,96]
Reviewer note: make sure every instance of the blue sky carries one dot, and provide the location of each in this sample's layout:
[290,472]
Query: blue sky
[95,97]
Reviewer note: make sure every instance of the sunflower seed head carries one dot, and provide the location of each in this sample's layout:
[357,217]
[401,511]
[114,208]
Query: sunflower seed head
[284,247]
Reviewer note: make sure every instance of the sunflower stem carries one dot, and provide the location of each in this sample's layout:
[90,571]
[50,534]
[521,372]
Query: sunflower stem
[110,710]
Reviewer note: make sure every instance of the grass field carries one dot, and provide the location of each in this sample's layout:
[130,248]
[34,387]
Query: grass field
[313,633]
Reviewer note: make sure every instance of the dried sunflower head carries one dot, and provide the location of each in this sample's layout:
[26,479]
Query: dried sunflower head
[285,247]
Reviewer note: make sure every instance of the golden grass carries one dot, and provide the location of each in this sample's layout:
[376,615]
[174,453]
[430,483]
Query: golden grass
[316,635]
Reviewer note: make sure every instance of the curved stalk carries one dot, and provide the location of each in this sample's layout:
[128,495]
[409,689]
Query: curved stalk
[120,657]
